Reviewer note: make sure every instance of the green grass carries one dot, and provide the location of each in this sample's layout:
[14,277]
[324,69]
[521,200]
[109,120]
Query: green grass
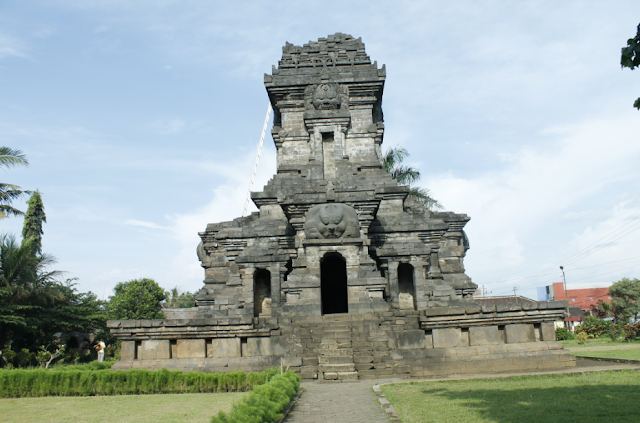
[167,408]
[603,341]
[581,397]
[632,354]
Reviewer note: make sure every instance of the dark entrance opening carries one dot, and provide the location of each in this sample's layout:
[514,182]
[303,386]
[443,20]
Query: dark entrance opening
[405,281]
[261,290]
[333,284]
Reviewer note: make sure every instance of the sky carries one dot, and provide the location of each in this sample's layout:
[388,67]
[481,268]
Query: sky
[141,122]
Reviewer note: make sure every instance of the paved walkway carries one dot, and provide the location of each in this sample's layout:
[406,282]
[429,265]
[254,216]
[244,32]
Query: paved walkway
[355,402]
[333,402]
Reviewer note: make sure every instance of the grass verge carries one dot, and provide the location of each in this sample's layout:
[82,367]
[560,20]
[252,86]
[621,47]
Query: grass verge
[580,397]
[633,354]
[597,342]
[169,408]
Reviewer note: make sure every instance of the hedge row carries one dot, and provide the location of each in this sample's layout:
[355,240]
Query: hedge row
[41,382]
[265,403]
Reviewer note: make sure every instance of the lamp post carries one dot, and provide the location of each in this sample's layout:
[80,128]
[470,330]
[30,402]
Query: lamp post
[566,295]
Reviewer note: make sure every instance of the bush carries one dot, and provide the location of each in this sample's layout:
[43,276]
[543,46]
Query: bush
[563,334]
[91,380]
[631,331]
[614,332]
[265,403]
[582,337]
[594,326]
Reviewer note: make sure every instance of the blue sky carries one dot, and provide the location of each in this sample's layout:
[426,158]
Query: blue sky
[141,122]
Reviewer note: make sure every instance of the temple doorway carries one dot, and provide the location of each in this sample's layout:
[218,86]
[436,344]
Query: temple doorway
[406,286]
[261,292]
[333,284]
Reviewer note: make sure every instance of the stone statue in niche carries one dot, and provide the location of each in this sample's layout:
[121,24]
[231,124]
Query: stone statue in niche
[326,97]
[330,221]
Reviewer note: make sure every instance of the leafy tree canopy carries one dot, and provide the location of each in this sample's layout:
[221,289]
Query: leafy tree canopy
[180,299]
[630,57]
[625,296]
[137,299]
[407,175]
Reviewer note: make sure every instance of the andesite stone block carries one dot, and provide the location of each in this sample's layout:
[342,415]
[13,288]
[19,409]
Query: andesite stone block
[224,347]
[484,335]
[446,337]
[128,350]
[153,350]
[190,348]
[517,333]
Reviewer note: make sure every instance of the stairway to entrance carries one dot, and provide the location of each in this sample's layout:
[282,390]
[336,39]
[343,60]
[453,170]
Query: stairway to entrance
[335,355]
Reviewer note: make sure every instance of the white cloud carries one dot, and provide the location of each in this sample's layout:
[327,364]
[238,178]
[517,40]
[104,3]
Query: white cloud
[143,224]
[12,47]
[169,126]
[521,203]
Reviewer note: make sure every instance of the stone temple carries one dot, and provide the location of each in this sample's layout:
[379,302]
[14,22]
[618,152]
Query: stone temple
[340,275]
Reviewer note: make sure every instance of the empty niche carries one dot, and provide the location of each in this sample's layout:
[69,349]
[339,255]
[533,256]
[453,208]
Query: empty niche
[136,353]
[262,293]
[503,336]
[406,286]
[537,330]
[243,346]
[173,351]
[464,337]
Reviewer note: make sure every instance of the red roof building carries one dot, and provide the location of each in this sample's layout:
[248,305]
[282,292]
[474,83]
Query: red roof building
[582,298]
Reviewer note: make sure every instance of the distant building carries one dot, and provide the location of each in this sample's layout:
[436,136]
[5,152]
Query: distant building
[579,298]
[504,300]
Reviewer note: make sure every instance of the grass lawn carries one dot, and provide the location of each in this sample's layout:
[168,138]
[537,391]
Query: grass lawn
[122,409]
[632,354]
[586,397]
[604,341]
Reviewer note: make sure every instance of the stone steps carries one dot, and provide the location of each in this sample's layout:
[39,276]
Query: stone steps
[343,367]
[335,359]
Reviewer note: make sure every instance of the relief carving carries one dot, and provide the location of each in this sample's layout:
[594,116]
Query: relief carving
[330,221]
[326,97]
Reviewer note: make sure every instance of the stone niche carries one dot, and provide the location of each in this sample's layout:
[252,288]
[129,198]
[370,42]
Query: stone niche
[340,275]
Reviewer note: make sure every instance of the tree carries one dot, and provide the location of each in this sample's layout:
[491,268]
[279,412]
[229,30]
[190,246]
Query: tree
[407,175]
[9,192]
[137,299]
[630,57]
[179,299]
[625,296]
[27,288]
[33,220]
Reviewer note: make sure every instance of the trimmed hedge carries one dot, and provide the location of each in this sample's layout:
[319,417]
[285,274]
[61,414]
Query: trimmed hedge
[17,383]
[265,403]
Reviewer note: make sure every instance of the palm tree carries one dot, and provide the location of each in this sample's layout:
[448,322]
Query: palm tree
[26,286]
[10,192]
[407,175]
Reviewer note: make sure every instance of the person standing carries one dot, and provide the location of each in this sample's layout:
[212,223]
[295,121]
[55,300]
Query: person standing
[100,346]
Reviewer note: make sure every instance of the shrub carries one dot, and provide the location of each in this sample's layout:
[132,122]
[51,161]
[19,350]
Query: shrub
[94,380]
[594,326]
[631,331]
[582,337]
[265,403]
[563,334]
[613,332]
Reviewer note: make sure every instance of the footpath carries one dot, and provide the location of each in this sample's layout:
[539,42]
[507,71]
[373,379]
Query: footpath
[355,402]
